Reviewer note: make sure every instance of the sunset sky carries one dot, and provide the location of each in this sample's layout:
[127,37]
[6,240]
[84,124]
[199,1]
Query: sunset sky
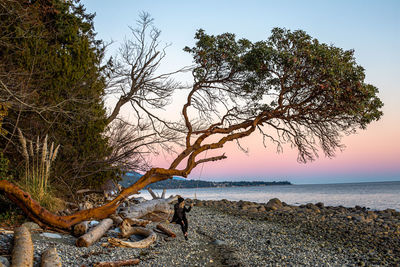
[371,28]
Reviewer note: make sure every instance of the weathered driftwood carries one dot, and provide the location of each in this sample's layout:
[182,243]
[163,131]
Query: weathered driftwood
[159,216]
[141,209]
[154,195]
[117,263]
[165,230]
[137,222]
[126,226]
[22,254]
[81,228]
[116,219]
[149,234]
[95,234]
[50,258]
[163,193]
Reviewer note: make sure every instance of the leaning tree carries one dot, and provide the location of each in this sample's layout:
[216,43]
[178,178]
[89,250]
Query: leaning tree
[291,88]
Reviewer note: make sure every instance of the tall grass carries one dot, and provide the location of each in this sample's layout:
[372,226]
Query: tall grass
[37,165]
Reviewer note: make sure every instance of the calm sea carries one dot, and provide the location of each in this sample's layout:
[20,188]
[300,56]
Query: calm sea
[376,196]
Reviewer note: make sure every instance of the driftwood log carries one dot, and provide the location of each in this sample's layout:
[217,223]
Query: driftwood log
[126,226]
[141,209]
[116,219]
[81,228]
[166,230]
[50,258]
[149,234]
[163,193]
[137,222]
[154,195]
[22,254]
[158,216]
[95,234]
[116,263]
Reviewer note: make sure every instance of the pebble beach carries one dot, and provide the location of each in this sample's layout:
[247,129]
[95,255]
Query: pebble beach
[241,233]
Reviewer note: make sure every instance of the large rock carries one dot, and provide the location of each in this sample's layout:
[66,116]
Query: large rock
[253,209]
[371,215]
[286,208]
[273,204]
[245,207]
[261,209]
[313,207]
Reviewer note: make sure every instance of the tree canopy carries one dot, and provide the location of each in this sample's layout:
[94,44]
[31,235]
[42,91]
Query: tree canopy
[290,87]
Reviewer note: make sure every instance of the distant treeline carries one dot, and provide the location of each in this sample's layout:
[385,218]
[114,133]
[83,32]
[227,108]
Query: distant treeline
[178,183]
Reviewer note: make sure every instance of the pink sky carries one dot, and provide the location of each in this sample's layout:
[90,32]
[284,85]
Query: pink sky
[370,155]
[371,28]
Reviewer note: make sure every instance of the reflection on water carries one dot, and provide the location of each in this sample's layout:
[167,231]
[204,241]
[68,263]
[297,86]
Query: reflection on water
[377,196]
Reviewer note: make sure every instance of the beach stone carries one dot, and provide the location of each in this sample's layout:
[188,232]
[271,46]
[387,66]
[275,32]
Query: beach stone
[358,218]
[286,208]
[320,205]
[51,235]
[391,211]
[386,215]
[247,203]
[253,209]
[261,208]
[273,204]
[371,215]
[218,242]
[245,207]
[4,262]
[32,226]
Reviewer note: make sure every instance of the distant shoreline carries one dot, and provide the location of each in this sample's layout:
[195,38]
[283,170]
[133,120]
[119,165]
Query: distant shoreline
[177,183]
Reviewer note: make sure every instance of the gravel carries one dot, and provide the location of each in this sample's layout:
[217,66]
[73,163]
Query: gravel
[220,237]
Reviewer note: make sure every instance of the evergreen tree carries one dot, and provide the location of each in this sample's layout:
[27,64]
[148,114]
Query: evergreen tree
[50,73]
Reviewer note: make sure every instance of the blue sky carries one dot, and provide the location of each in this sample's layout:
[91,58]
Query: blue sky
[371,28]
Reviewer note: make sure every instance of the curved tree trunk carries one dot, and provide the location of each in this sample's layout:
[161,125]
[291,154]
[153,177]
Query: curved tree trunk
[47,219]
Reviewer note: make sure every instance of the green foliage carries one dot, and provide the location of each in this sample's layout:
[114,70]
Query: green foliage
[51,59]
[304,89]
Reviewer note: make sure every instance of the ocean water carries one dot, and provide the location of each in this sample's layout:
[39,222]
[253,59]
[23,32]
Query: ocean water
[376,196]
